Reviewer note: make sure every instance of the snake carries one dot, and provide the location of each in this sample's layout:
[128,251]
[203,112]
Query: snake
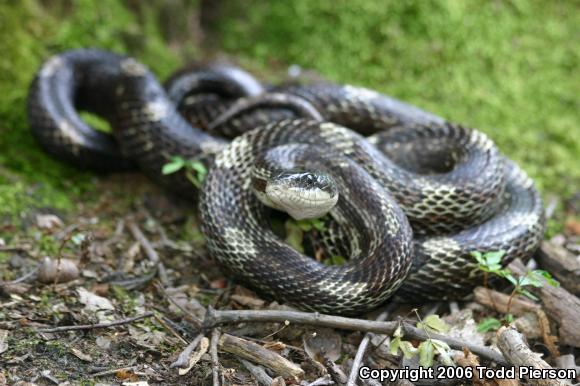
[404,195]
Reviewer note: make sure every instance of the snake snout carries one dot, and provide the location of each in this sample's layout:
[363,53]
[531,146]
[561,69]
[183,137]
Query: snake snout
[301,194]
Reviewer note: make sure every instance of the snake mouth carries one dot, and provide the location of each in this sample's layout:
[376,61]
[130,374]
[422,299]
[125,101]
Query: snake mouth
[301,203]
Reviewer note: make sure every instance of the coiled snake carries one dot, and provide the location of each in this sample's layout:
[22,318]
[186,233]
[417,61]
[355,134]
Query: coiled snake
[407,205]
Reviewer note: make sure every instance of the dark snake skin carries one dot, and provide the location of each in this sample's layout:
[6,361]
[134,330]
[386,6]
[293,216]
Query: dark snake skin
[416,197]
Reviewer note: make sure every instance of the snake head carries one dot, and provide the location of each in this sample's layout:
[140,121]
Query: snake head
[301,194]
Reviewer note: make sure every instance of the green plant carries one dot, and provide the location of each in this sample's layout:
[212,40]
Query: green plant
[429,347]
[195,171]
[490,263]
[295,230]
[493,324]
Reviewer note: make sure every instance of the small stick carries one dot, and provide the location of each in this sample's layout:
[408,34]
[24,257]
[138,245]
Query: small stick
[214,318]
[98,325]
[170,329]
[258,354]
[336,373]
[257,372]
[149,250]
[215,364]
[25,277]
[324,381]
[113,371]
[183,358]
[513,346]
[362,348]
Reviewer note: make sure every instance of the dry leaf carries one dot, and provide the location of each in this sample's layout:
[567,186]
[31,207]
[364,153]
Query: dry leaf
[323,341]
[3,338]
[276,346]
[218,283]
[48,221]
[81,355]
[97,304]
[573,227]
[127,374]
[248,301]
[202,349]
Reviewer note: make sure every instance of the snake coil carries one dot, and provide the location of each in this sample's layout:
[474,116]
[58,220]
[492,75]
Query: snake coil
[416,197]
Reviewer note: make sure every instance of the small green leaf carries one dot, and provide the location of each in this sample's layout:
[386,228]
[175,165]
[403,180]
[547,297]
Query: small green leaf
[294,235]
[409,351]
[433,323]
[394,346]
[335,260]
[318,224]
[493,258]
[537,275]
[173,166]
[443,349]
[398,332]
[508,318]
[528,294]
[488,324]
[426,353]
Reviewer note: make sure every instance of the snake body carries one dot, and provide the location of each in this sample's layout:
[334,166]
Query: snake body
[416,198]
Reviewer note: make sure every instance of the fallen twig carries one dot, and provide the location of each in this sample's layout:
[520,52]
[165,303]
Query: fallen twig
[215,318]
[324,381]
[183,358]
[362,348]
[113,371]
[258,354]
[514,348]
[258,373]
[149,251]
[170,329]
[215,365]
[98,325]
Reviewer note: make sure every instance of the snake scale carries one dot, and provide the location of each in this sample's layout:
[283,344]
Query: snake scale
[403,194]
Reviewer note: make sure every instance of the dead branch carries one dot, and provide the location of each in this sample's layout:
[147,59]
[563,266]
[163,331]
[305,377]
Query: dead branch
[257,372]
[362,348]
[113,371]
[258,354]
[561,306]
[467,359]
[336,373]
[98,325]
[514,348]
[183,358]
[499,301]
[215,318]
[149,251]
[562,264]
[323,381]
[215,364]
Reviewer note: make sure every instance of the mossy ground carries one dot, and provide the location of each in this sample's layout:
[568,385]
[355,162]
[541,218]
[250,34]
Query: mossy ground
[506,67]
[33,30]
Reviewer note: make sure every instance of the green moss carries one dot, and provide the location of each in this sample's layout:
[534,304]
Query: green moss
[507,67]
[32,31]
